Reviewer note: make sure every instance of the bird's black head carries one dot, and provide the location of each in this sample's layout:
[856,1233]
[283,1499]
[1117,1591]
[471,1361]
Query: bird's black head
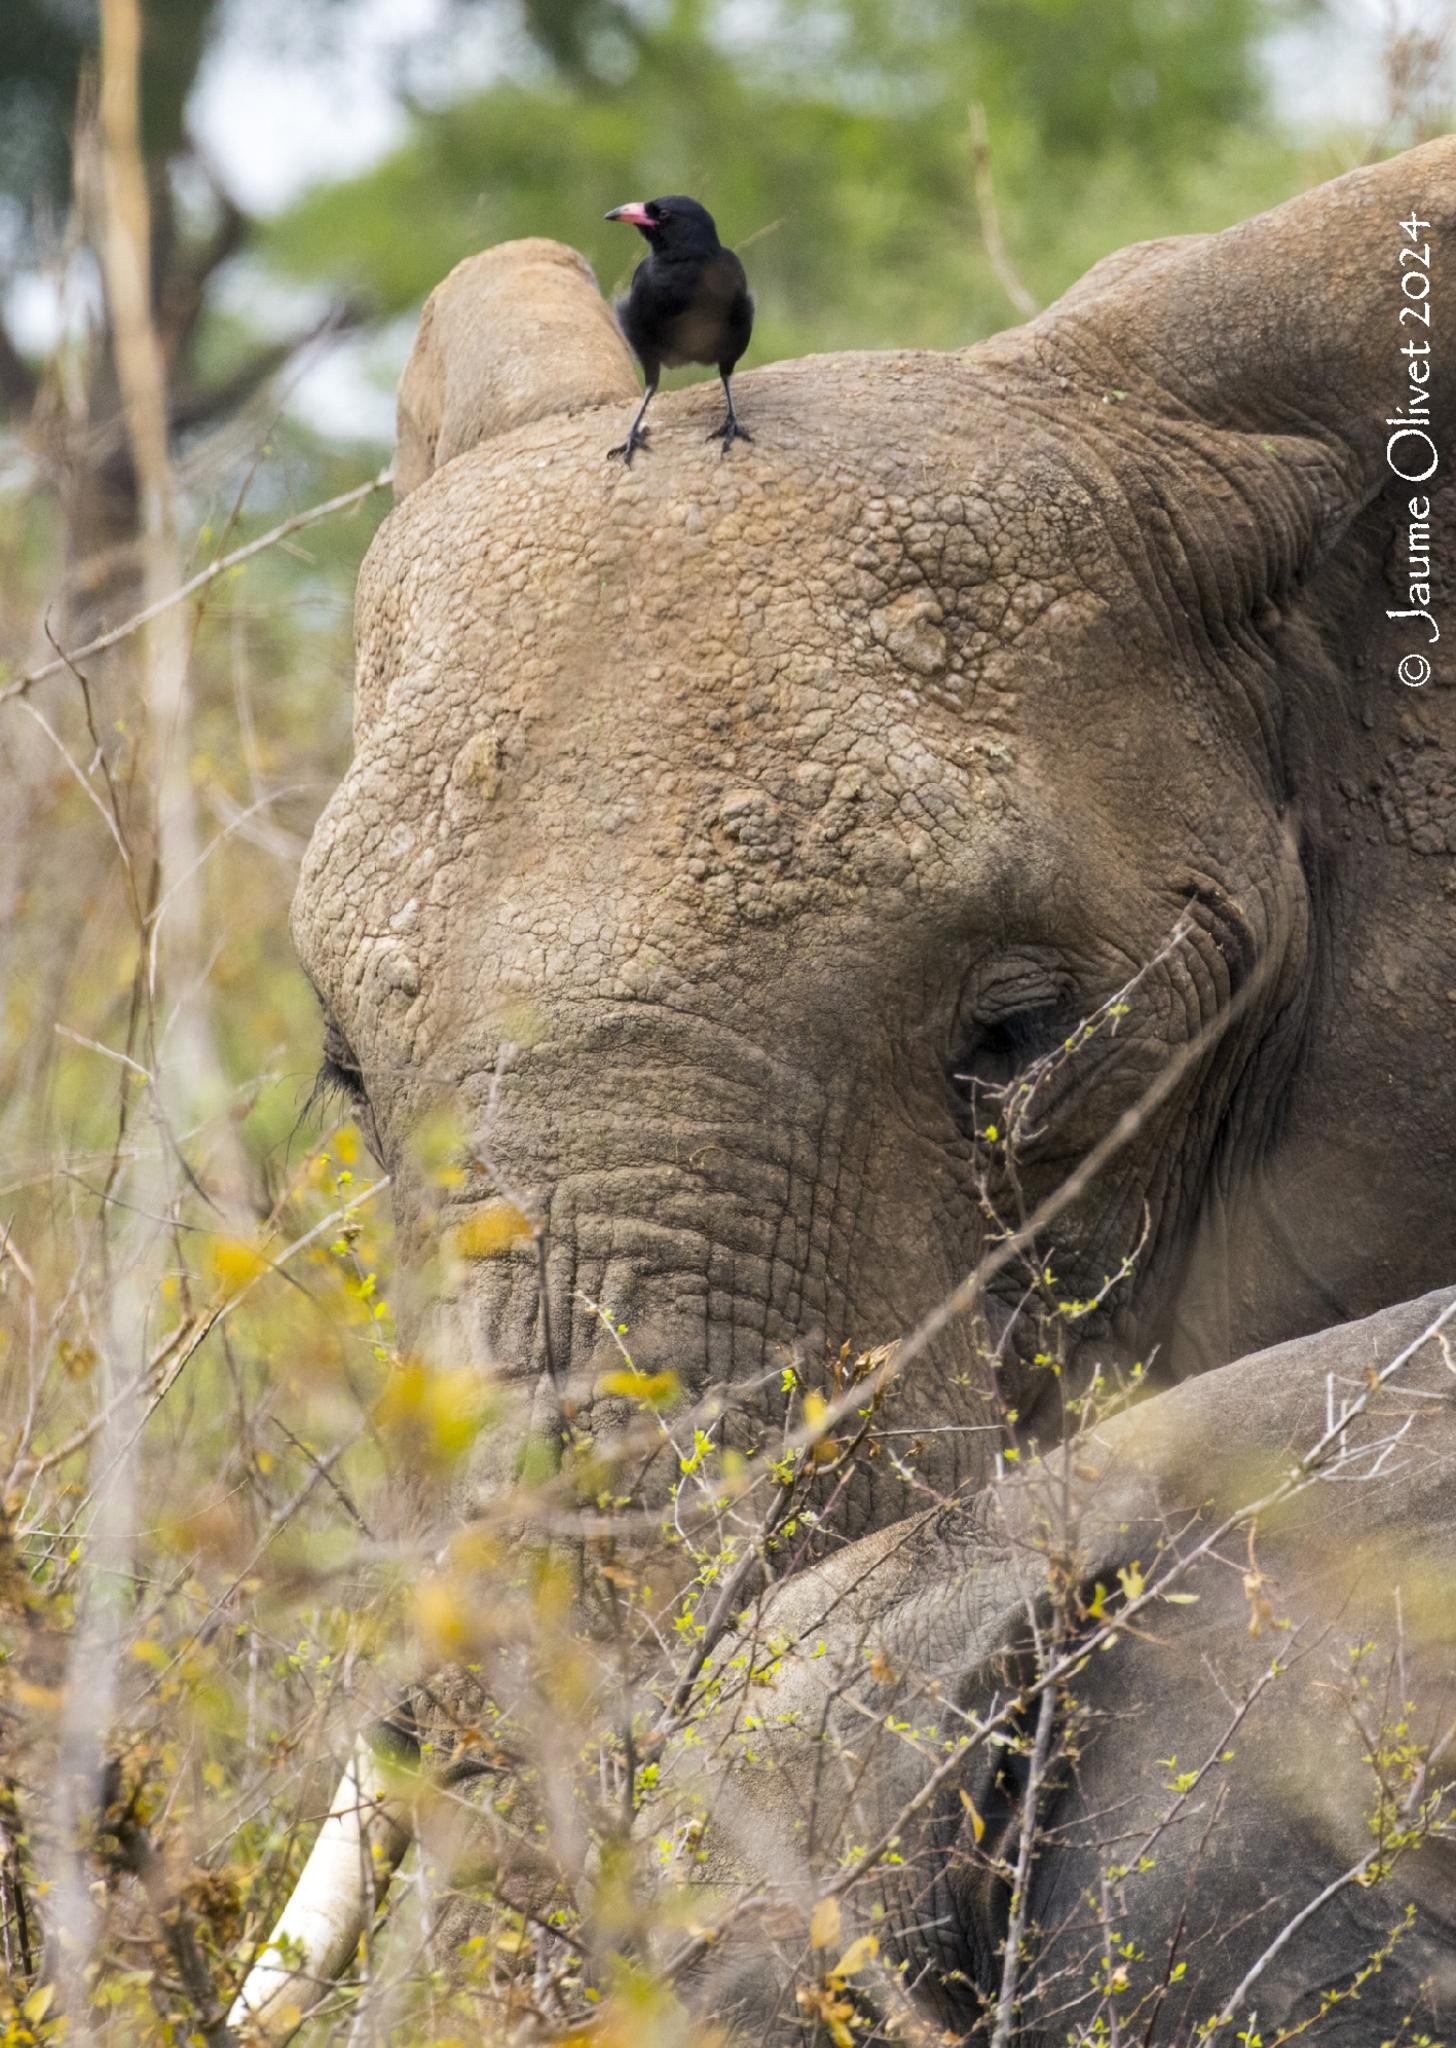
[674,226]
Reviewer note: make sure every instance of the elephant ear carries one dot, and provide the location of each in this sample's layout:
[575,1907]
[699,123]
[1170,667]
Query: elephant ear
[1284,336]
[512,335]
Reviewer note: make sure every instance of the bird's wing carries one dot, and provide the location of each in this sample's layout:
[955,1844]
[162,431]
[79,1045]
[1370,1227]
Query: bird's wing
[738,320]
[634,317]
[711,322]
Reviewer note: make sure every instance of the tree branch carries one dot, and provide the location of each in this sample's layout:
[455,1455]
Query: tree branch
[136,1853]
[293,524]
[990,215]
[199,407]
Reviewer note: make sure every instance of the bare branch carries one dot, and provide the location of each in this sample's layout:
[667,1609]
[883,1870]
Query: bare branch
[293,524]
[986,206]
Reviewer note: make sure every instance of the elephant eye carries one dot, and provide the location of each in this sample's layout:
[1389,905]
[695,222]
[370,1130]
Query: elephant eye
[996,1048]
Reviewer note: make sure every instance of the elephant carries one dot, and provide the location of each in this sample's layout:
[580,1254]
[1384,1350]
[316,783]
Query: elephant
[1287,1864]
[970,872]
[1253,1773]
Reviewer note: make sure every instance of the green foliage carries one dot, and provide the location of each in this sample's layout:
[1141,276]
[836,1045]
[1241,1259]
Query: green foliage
[45,47]
[847,185]
[269,1603]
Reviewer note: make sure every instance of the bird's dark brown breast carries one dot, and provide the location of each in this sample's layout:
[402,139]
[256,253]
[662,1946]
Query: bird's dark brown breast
[697,334]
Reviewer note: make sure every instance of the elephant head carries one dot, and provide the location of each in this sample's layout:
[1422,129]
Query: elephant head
[993,799]
[726,838]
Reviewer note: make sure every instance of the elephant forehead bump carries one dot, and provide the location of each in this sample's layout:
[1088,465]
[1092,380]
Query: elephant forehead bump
[897,522]
[597,709]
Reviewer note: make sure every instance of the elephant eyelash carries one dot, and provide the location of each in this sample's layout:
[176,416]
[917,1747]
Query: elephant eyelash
[334,1078]
[339,1070]
[340,1076]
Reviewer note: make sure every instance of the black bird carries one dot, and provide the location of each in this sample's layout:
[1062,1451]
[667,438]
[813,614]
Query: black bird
[688,302]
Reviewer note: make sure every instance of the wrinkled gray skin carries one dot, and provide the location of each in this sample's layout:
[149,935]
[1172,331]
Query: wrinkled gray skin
[1211,1873]
[707,819]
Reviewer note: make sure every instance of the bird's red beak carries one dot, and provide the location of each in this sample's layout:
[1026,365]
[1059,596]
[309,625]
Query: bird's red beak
[634,213]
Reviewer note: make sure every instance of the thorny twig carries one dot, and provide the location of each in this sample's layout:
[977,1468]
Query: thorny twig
[1354,1874]
[219,567]
[171,1357]
[1021,1885]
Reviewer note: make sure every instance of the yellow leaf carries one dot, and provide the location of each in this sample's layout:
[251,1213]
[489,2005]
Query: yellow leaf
[38,2004]
[824,2004]
[346,1146]
[978,1826]
[858,1956]
[236,1263]
[78,1361]
[1130,1577]
[436,1415]
[824,1923]
[493,1229]
[442,1619]
[655,1389]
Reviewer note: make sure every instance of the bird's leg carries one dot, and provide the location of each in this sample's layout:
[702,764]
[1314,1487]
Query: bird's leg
[731,430]
[636,433]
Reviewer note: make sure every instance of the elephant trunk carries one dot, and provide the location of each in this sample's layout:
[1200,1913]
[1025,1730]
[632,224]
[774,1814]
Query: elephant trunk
[358,1849]
[703,1206]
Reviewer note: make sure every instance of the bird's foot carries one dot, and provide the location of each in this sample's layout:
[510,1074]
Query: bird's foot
[730,431]
[636,439]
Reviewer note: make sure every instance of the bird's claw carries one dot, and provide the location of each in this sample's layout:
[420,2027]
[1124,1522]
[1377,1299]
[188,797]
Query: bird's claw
[729,432]
[628,448]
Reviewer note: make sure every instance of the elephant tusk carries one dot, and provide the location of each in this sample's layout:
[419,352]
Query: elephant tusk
[358,1849]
